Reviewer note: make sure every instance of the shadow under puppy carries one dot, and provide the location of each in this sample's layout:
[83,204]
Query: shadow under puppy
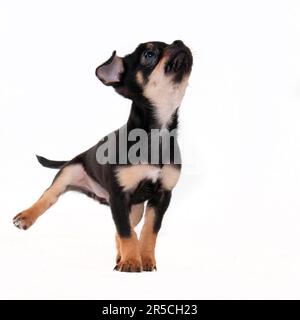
[154,77]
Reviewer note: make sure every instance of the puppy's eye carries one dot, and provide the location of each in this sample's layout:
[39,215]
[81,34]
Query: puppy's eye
[149,54]
[149,57]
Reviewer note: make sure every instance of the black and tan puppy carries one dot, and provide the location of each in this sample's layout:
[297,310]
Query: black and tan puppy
[117,173]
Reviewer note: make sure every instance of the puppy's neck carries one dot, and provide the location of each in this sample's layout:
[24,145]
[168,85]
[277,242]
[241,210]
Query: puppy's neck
[144,116]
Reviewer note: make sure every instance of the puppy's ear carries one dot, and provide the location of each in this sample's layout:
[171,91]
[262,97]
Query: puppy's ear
[110,72]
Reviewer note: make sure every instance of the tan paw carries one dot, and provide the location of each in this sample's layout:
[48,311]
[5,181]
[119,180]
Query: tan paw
[118,258]
[129,265]
[148,264]
[23,220]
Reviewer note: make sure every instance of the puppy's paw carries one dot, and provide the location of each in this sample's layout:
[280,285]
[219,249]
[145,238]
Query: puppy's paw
[23,220]
[118,258]
[148,264]
[129,265]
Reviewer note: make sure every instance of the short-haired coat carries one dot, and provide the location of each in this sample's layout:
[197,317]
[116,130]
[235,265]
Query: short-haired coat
[154,77]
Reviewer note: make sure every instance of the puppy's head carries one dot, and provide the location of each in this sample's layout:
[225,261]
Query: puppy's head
[155,71]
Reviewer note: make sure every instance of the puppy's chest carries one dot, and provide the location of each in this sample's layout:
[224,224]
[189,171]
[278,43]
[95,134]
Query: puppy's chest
[146,177]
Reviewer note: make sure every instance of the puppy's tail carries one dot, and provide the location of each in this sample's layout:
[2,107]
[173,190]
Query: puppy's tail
[50,163]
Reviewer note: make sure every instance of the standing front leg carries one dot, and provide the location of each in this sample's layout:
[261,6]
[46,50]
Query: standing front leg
[155,211]
[135,215]
[127,241]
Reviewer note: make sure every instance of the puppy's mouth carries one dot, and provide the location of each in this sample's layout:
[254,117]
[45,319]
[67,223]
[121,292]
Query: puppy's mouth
[180,60]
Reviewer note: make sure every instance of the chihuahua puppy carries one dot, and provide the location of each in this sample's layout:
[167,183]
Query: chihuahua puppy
[117,173]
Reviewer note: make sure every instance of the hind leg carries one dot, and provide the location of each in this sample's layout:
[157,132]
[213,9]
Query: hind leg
[67,176]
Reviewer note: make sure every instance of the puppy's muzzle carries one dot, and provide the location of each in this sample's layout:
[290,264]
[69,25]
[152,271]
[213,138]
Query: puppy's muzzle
[180,58]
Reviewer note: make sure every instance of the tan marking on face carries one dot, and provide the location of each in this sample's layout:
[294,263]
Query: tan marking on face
[148,241]
[150,46]
[130,255]
[139,78]
[165,95]
[129,177]
[169,176]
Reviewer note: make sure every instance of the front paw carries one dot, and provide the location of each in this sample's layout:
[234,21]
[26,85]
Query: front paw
[129,265]
[23,220]
[148,264]
[118,258]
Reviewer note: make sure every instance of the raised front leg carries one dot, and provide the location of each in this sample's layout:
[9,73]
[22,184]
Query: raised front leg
[66,177]
[155,211]
[127,242]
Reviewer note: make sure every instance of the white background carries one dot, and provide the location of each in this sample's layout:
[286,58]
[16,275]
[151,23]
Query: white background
[233,227]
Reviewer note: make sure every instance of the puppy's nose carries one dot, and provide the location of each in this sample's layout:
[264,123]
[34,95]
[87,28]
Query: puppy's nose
[178,43]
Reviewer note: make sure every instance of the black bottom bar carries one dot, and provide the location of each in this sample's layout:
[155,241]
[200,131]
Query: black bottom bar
[183,309]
